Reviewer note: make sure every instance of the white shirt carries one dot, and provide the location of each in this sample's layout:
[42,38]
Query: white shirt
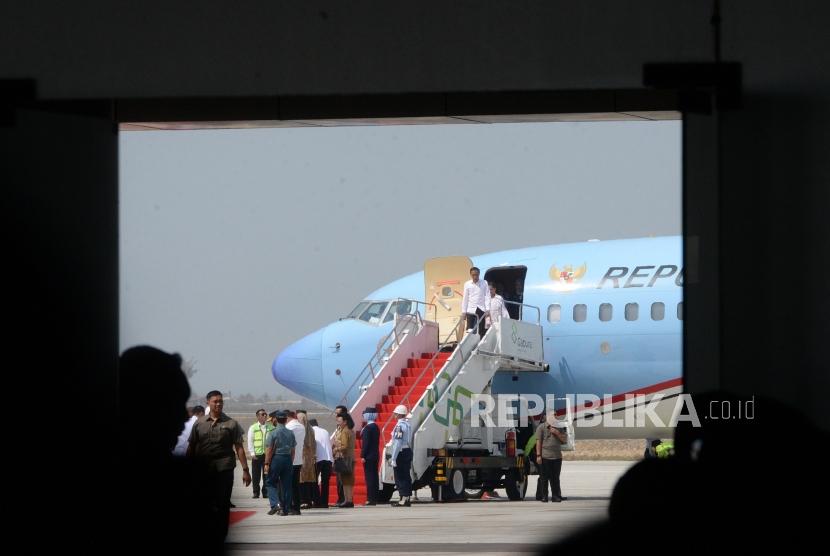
[251,437]
[299,435]
[321,436]
[475,296]
[181,443]
[498,309]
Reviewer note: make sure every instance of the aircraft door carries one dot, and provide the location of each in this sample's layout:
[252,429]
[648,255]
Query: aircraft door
[510,284]
[444,279]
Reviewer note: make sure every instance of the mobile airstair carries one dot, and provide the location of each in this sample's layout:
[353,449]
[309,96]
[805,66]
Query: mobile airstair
[438,380]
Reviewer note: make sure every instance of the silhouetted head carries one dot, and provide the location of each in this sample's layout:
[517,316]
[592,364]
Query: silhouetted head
[740,454]
[154,390]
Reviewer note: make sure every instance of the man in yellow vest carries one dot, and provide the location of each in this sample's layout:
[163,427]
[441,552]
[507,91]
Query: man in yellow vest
[256,448]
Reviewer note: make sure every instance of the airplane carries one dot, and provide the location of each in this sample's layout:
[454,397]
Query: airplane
[611,315]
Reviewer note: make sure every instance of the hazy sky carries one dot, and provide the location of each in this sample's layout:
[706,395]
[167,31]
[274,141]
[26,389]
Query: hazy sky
[235,243]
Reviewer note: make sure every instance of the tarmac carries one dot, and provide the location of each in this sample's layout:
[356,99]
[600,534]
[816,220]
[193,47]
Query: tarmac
[485,527]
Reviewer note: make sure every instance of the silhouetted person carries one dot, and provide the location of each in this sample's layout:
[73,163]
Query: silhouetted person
[166,509]
[741,485]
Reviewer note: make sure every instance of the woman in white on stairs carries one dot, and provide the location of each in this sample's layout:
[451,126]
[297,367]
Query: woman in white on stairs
[497,311]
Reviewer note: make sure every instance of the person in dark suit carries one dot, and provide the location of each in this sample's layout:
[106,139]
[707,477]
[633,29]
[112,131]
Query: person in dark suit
[370,454]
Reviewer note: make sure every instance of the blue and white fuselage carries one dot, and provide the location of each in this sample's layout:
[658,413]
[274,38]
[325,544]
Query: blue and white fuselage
[611,313]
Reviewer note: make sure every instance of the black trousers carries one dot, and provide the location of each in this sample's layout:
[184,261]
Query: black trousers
[471,322]
[542,483]
[341,496]
[370,472]
[324,474]
[219,487]
[403,477]
[295,488]
[258,474]
[552,468]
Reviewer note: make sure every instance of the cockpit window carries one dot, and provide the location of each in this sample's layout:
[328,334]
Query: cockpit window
[391,314]
[358,310]
[398,308]
[373,313]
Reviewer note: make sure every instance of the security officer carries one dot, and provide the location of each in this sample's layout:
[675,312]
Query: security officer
[279,465]
[369,453]
[401,459]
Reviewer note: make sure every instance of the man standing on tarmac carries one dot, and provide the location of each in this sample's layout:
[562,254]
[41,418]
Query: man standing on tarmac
[298,430]
[213,441]
[279,466]
[550,436]
[256,447]
[401,459]
[474,303]
[341,497]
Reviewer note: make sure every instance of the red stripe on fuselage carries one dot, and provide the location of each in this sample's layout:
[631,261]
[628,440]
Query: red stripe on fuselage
[621,397]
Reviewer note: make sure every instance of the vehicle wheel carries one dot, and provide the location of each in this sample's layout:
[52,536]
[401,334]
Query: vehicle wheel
[515,485]
[385,494]
[456,484]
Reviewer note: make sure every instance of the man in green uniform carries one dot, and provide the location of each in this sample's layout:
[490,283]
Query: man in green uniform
[213,441]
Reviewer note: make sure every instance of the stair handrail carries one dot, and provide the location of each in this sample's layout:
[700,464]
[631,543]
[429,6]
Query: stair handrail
[429,365]
[383,349]
[538,310]
[473,352]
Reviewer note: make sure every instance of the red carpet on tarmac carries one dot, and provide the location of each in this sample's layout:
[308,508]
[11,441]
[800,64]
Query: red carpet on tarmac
[236,517]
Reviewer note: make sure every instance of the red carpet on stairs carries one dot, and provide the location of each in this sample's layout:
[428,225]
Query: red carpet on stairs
[413,377]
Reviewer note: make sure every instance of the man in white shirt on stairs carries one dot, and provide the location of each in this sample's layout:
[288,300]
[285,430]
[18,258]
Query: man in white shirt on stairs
[475,303]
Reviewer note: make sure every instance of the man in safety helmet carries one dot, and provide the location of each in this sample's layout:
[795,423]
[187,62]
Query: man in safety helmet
[401,459]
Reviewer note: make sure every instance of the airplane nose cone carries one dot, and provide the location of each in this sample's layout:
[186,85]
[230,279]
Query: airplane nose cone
[299,367]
